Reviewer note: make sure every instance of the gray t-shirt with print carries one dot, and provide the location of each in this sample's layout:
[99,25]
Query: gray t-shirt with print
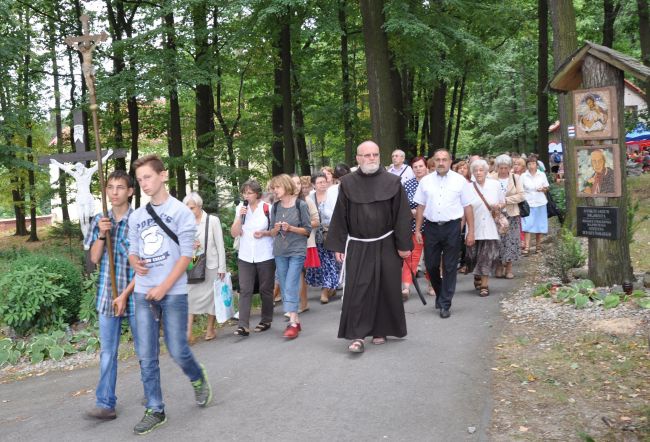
[289,243]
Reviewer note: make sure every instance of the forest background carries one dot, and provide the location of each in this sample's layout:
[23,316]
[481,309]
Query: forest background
[228,89]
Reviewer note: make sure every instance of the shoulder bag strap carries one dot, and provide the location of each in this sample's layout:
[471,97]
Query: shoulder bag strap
[481,195]
[403,171]
[320,221]
[161,224]
[207,223]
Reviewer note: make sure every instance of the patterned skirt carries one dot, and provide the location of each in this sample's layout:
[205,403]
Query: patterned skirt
[327,275]
[509,250]
[483,256]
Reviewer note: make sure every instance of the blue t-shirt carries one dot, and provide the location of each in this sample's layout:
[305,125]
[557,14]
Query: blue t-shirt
[150,242]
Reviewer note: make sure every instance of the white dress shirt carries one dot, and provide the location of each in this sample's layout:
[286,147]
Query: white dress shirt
[484,226]
[405,172]
[330,203]
[253,249]
[531,184]
[444,197]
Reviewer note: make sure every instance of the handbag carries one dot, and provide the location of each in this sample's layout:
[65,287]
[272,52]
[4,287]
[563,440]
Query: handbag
[552,209]
[196,269]
[524,207]
[224,308]
[321,232]
[499,218]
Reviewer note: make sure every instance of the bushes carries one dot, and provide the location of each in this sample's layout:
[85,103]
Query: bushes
[70,280]
[30,299]
[566,254]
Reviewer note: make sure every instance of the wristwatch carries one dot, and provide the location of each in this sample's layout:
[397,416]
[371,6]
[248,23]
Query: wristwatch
[103,238]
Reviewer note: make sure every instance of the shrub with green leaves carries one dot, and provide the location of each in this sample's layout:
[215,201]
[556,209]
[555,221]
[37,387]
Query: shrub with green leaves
[30,299]
[70,279]
[88,308]
[565,255]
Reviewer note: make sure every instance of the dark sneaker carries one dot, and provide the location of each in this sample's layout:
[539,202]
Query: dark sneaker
[202,389]
[150,421]
[102,413]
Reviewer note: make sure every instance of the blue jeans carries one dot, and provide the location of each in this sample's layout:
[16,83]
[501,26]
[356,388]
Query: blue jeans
[172,312]
[288,269]
[110,329]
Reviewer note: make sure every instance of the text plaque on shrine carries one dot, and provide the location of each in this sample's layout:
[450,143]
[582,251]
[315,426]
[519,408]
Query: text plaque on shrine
[599,222]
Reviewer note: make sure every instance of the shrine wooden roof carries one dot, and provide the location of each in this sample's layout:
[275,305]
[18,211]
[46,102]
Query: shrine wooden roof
[569,75]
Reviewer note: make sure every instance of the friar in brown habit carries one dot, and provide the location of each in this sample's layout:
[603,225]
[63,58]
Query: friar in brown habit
[370,232]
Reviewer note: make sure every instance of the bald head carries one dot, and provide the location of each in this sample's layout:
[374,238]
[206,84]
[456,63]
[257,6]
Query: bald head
[365,145]
[368,157]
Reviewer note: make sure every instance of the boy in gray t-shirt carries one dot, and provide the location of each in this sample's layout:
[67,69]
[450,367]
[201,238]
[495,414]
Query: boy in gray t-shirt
[161,238]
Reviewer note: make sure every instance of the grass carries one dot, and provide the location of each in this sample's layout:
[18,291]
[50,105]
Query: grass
[638,189]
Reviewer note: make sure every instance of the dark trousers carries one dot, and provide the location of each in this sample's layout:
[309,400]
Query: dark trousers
[265,273]
[442,242]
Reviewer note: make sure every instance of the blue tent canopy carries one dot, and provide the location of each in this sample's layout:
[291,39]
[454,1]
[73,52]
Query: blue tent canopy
[641,132]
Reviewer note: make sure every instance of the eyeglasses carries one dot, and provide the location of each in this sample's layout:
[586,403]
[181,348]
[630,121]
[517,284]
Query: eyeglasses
[370,155]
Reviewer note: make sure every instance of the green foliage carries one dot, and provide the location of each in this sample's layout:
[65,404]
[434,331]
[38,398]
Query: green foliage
[558,194]
[566,254]
[611,301]
[581,300]
[30,299]
[55,345]
[70,280]
[633,221]
[88,308]
[543,290]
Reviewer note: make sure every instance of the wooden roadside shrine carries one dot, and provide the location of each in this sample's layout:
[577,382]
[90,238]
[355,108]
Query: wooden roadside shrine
[602,192]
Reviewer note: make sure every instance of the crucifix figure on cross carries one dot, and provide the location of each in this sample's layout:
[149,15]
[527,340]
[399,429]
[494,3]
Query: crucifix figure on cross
[85,44]
[83,176]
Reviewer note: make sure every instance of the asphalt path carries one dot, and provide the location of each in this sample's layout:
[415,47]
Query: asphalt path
[430,386]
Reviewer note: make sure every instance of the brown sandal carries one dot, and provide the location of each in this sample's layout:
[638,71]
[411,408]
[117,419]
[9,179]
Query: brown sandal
[477,282]
[484,292]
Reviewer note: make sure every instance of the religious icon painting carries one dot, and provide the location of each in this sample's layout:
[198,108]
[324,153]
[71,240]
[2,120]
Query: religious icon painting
[598,171]
[596,113]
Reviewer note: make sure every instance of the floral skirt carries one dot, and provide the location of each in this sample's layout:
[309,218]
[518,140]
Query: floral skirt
[509,249]
[327,275]
[483,256]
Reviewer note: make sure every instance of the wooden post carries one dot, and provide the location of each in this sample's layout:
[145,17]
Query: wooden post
[609,260]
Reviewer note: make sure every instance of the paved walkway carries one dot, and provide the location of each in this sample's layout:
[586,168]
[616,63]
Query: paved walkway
[430,386]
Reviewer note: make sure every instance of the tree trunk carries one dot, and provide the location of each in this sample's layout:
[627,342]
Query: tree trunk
[299,118]
[346,95]
[454,96]
[611,9]
[409,142]
[175,140]
[424,134]
[399,98]
[115,29]
[565,42]
[277,166]
[204,121]
[437,116]
[644,38]
[84,89]
[542,80]
[285,88]
[58,122]
[383,109]
[18,197]
[460,110]
[134,123]
[609,260]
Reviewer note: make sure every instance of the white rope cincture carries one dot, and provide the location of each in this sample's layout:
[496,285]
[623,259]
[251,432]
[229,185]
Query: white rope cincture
[345,253]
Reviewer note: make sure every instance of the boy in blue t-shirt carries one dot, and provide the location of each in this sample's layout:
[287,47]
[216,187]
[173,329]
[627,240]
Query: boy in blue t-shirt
[161,242]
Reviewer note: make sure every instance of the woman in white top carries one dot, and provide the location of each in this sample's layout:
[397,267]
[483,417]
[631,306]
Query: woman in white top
[255,259]
[535,186]
[200,296]
[484,254]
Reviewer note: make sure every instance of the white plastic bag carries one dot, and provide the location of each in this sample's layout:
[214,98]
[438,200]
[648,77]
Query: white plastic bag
[223,299]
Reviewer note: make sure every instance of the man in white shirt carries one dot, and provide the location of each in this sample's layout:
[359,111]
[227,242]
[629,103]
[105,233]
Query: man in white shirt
[443,197]
[398,167]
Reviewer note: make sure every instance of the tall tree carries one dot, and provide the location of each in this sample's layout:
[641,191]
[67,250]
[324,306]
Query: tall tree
[285,89]
[383,115]
[565,42]
[542,80]
[611,9]
[348,105]
[204,106]
[644,34]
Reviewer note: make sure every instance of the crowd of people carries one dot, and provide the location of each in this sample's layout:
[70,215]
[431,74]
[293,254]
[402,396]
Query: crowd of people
[343,230]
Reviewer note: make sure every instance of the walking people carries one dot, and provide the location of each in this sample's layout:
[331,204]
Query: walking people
[291,227]
[370,233]
[535,187]
[411,263]
[200,296]
[111,313]
[513,191]
[327,275]
[399,168]
[483,255]
[255,256]
[161,243]
[443,197]
[311,254]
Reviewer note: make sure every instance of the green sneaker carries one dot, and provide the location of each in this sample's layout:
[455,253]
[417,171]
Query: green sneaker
[202,389]
[150,421]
